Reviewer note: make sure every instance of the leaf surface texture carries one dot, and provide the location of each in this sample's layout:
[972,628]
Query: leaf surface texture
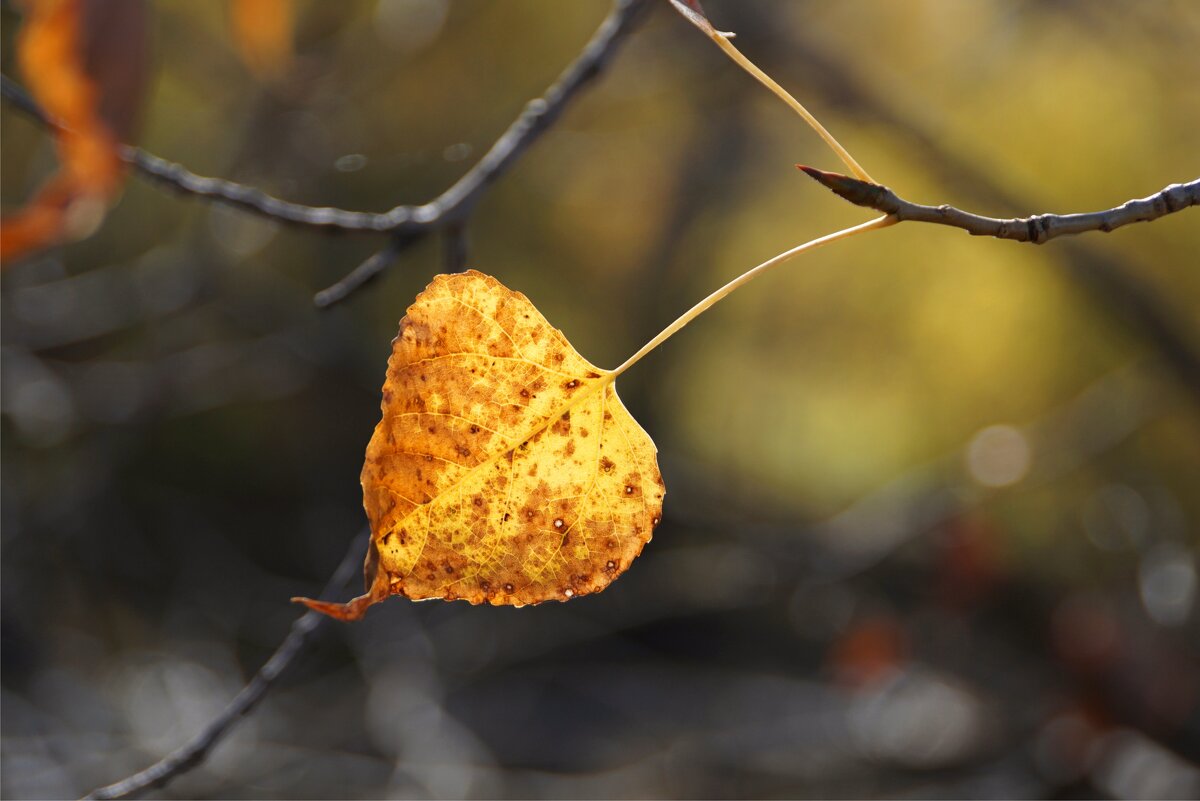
[505,468]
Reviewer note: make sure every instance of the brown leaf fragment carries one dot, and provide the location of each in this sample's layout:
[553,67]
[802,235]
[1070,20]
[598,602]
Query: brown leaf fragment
[505,469]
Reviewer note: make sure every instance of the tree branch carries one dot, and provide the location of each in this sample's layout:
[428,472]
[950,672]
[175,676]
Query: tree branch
[1104,280]
[364,273]
[1038,229]
[193,753]
[407,224]
[453,206]
[179,178]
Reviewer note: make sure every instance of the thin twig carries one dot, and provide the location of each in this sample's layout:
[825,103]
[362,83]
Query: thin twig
[193,753]
[1038,229]
[363,273]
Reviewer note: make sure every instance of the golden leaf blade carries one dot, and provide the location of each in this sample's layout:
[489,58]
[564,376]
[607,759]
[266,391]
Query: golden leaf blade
[505,468]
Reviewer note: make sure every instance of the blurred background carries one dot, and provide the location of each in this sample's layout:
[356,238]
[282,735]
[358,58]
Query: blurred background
[932,514]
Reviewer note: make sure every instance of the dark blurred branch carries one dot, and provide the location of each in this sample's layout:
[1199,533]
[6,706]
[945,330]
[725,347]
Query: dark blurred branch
[1106,413]
[455,246]
[1061,441]
[193,754]
[177,177]
[407,224]
[1038,229]
[247,198]
[362,274]
[454,205]
[21,100]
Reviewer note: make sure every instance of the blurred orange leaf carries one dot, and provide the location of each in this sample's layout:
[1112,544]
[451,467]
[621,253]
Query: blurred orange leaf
[262,31]
[505,469]
[62,47]
[869,650]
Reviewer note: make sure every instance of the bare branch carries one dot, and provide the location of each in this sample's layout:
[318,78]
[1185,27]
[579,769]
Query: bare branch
[1103,279]
[247,198]
[363,273]
[193,753]
[406,223]
[455,204]
[1038,229]
[177,177]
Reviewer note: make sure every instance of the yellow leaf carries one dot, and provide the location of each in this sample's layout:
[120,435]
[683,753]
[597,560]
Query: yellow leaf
[505,468]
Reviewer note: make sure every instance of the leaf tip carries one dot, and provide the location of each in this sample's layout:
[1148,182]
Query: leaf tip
[347,612]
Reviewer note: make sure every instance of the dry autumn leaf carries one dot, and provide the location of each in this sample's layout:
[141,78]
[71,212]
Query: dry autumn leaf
[85,63]
[505,469]
[263,32]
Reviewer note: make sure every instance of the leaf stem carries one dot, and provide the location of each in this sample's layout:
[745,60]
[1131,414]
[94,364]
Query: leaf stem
[692,13]
[766,80]
[745,278]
